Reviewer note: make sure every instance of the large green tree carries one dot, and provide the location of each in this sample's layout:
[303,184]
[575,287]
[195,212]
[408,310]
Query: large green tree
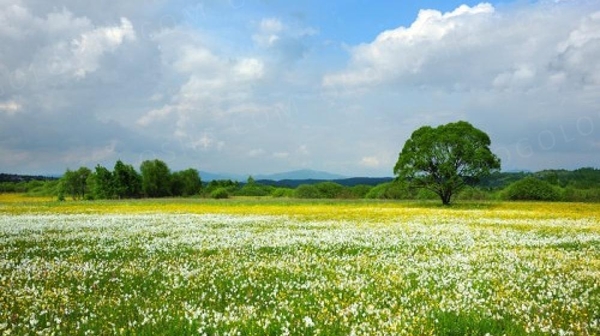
[446,158]
[127,183]
[74,183]
[101,183]
[186,182]
[156,178]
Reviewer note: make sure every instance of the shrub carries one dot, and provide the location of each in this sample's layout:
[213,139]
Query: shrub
[390,190]
[360,191]
[219,193]
[425,194]
[307,191]
[282,192]
[329,189]
[474,194]
[254,190]
[532,189]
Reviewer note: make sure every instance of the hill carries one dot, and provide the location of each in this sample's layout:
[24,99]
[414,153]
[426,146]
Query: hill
[302,174]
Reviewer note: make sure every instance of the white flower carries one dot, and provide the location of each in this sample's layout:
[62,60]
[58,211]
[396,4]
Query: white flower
[308,322]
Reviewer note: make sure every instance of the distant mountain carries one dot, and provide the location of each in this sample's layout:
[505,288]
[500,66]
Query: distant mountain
[303,174]
[347,182]
[207,177]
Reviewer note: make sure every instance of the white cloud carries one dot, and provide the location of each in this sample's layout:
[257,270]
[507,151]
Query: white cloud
[90,46]
[197,59]
[12,19]
[577,56]
[62,44]
[478,48]
[370,161]
[154,115]
[268,32]
[407,51]
[10,107]
[249,69]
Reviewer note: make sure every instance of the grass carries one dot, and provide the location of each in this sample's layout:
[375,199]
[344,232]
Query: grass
[271,266]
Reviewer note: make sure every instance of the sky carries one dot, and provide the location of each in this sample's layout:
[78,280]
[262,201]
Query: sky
[266,86]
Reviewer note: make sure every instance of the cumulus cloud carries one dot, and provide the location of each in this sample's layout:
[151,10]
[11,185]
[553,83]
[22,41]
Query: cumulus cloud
[62,44]
[216,92]
[90,46]
[473,48]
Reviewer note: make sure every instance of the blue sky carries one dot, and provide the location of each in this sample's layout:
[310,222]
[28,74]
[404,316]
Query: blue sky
[251,87]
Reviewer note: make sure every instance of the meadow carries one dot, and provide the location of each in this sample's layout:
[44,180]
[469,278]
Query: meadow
[289,267]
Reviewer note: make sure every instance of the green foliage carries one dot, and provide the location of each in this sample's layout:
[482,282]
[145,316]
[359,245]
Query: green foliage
[282,192]
[101,183]
[255,190]
[329,189]
[307,191]
[532,189]
[572,194]
[474,194]
[390,190]
[446,158]
[186,183]
[31,188]
[583,178]
[220,193]
[42,188]
[229,185]
[156,178]
[465,324]
[358,191]
[74,183]
[127,182]
[426,194]
[251,188]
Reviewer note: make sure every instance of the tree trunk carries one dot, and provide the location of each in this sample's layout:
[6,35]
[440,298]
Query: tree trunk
[446,196]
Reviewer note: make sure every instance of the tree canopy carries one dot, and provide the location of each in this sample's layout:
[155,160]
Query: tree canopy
[156,178]
[446,158]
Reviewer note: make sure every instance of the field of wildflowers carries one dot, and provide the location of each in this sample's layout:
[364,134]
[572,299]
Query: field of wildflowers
[190,267]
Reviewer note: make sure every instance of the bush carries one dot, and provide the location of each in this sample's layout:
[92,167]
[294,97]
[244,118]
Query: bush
[329,189]
[360,191]
[474,194]
[390,190]
[532,189]
[219,193]
[282,192]
[307,191]
[572,194]
[254,190]
[425,194]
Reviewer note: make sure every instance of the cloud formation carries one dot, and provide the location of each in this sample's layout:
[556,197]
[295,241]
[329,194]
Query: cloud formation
[247,88]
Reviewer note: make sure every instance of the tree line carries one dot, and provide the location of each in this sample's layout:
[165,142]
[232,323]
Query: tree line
[154,179]
[581,185]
